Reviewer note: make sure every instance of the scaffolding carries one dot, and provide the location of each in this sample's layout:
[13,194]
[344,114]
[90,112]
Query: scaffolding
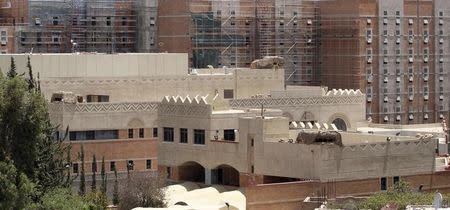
[234,33]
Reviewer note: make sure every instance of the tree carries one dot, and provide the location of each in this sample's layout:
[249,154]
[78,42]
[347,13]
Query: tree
[31,82]
[26,134]
[400,195]
[103,174]
[12,69]
[94,178]
[116,189]
[142,190]
[62,199]
[82,178]
[16,191]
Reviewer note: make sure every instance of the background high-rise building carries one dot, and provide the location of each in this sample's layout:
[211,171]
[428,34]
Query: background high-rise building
[234,33]
[396,51]
[59,26]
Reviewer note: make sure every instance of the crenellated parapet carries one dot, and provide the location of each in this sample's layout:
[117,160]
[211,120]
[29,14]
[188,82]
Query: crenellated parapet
[185,106]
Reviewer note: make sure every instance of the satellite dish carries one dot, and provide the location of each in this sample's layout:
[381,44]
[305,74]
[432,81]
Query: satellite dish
[437,202]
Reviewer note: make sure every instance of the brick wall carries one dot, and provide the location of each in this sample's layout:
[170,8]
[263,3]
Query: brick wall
[291,195]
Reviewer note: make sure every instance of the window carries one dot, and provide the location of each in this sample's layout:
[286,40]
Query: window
[97,98]
[130,165]
[199,136]
[396,179]
[168,171]
[93,21]
[75,168]
[229,135]
[108,21]
[383,183]
[149,164]
[441,13]
[112,166]
[141,133]
[130,133]
[397,13]
[55,21]
[168,134]
[94,167]
[183,135]
[124,21]
[228,94]
[155,132]
[93,135]
[385,13]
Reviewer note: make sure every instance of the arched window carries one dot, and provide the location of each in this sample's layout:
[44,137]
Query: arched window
[340,124]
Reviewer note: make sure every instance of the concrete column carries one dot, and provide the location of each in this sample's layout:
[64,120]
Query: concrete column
[208,176]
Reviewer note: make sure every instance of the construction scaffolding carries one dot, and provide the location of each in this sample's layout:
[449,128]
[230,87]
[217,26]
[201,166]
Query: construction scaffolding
[234,33]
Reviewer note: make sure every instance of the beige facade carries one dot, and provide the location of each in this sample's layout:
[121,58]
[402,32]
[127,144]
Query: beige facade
[143,77]
[261,144]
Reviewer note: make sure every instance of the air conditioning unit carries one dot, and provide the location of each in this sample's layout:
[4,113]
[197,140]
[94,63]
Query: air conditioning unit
[398,118]
[411,59]
[398,79]
[369,40]
[441,60]
[425,117]
[369,79]
[441,116]
[37,21]
[410,21]
[385,40]
[411,117]
[386,118]
[369,99]
[425,59]
[425,40]
[3,42]
[441,22]
[411,97]
[369,60]
[397,21]
[425,78]
[386,99]
[152,22]
[385,60]
[411,78]
[385,21]
[411,39]
[441,40]
[425,22]
[425,97]
[369,21]
[386,79]
[397,60]
[441,78]
[441,97]
[397,41]
[398,99]
[309,22]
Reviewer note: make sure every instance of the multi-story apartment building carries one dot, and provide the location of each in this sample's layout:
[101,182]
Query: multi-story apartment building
[395,50]
[108,26]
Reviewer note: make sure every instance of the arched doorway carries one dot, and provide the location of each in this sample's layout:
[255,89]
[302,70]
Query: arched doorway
[340,124]
[191,171]
[225,175]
